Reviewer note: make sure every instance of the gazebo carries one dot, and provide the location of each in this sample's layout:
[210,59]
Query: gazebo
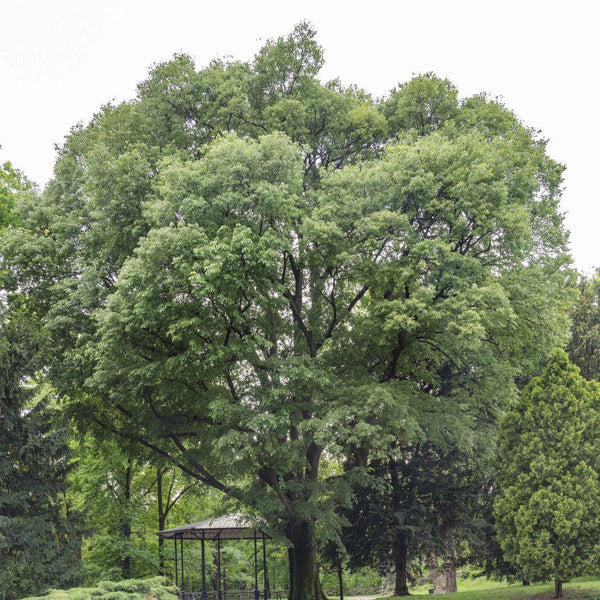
[231,527]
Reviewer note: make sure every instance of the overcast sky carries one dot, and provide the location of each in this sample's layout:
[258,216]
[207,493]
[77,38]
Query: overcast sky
[60,60]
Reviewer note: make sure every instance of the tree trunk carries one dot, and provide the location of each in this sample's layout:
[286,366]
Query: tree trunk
[450,577]
[290,569]
[400,551]
[444,579]
[399,545]
[558,588]
[436,574]
[304,570]
[450,564]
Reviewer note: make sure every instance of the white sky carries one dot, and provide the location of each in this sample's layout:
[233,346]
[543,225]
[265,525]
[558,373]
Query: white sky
[60,60]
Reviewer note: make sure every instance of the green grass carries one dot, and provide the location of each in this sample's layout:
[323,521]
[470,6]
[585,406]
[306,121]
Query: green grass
[485,589]
[469,584]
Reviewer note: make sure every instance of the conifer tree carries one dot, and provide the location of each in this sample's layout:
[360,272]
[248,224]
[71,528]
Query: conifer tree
[39,544]
[548,509]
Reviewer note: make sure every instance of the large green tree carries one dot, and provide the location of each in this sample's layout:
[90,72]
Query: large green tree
[247,270]
[547,511]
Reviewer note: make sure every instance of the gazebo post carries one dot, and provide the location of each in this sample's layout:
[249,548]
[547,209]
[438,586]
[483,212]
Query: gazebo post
[256,592]
[265,575]
[219,592]
[176,569]
[182,571]
[203,570]
[224,579]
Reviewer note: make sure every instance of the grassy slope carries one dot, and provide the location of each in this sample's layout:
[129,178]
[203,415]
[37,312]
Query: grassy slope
[579,589]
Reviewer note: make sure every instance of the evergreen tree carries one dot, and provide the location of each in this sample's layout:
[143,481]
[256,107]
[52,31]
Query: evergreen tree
[548,509]
[39,542]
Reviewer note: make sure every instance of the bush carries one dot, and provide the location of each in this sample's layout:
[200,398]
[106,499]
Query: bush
[130,589]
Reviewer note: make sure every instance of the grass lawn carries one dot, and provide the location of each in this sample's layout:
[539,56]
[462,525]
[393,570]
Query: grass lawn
[584,588]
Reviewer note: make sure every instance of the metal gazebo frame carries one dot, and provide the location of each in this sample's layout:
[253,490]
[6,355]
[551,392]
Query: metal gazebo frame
[231,527]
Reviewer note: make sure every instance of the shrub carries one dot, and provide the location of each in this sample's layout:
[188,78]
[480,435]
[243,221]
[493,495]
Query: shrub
[130,589]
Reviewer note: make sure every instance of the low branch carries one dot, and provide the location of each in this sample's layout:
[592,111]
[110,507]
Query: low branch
[270,478]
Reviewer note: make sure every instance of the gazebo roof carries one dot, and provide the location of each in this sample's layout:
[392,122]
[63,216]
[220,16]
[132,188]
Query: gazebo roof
[231,527]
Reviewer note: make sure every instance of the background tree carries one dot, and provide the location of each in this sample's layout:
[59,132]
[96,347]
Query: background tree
[385,523]
[584,345]
[421,504]
[125,499]
[39,540]
[115,491]
[547,512]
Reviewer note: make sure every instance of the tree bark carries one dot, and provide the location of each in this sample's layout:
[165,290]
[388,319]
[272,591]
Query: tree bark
[304,569]
[558,588]
[444,579]
[436,574]
[400,550]
[450,564]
